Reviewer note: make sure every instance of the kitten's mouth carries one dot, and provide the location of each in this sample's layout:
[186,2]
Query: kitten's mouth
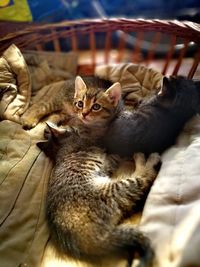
[94,124]
[86,120]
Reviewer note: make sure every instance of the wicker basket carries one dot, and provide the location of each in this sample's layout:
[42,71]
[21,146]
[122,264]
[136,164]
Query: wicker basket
[114,40]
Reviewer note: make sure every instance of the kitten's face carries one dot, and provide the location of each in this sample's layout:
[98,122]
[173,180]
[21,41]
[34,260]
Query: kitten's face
[179,93]
[95,106]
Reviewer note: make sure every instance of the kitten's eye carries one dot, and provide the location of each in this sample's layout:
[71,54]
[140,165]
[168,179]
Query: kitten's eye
[96,107]
[79,104]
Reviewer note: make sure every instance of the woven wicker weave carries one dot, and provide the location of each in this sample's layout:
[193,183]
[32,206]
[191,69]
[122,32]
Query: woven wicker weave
[73,33]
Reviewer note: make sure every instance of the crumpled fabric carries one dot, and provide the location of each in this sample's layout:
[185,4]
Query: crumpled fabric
[137,82]
[15,84]
[24,174]
[49,67]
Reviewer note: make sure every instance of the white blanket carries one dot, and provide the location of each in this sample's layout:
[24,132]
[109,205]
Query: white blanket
[171,216]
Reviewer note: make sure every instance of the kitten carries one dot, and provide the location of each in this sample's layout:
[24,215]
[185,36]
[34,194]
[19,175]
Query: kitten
[154,126]
[59,98]
[86,206]
[95,107]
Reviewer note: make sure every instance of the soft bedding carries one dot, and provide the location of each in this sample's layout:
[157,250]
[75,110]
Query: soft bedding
[24,173]
[171,215]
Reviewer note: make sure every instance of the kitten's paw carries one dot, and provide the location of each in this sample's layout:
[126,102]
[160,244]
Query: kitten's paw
[28,122]
[139,159]
[153,160]
[149,167]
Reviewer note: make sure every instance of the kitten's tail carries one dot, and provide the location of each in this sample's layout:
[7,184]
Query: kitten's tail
[124,240]
[129,239]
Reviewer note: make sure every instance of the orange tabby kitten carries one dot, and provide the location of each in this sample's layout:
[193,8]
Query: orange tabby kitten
[99,107]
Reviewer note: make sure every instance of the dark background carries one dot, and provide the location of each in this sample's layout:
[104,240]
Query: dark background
[57,10]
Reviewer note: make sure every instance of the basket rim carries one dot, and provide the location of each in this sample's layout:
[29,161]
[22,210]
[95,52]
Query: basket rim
[184,29]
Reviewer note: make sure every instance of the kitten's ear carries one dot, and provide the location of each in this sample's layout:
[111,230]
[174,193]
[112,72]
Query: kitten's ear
[114,92]
[54,131]
[48,148]
[164,87]
[80,86]
[44,146]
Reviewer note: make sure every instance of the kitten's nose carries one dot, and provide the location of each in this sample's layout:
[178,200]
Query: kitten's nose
[84,114]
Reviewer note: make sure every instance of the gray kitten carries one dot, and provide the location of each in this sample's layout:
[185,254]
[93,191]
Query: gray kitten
[86,205]
[156,123]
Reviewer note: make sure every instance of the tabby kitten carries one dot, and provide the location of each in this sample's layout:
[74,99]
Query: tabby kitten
[86,206]
[155,125]
[95,106]
[59,98]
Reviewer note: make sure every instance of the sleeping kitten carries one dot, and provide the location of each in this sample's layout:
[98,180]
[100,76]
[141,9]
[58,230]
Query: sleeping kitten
[86,206]
[59,98]
[155,125]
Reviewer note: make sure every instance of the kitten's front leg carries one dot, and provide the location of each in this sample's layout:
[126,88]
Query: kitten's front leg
[37,111]
[112,163]
[33,115]
[130,190]
[145,169]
